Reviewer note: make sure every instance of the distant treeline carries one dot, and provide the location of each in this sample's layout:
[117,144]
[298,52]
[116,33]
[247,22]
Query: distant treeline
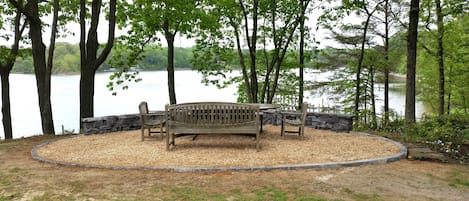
[67,60]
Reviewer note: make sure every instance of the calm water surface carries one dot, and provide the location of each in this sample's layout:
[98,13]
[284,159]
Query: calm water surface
[153,89]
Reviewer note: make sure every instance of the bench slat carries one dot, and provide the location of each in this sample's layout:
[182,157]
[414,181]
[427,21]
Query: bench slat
[212,118]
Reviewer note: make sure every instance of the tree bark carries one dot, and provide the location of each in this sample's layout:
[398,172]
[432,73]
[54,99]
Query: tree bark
[43,74]
[450,82]
[411,62]
[440,56]
[241,61]
[386,66]
[5,69]
[374,121]
[170,68]
[359,67]
[6,108]
[302,56]
[90,61]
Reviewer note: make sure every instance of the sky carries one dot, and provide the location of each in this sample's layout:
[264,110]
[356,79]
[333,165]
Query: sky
[180,41]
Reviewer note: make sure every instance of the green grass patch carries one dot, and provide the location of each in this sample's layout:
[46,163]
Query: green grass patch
[459,179]
[133,199]
[15,196]
[6,179]
[48,196]
[189,193]
[260,194]
[76,186]
[270,194]
[361,196]
[312,198]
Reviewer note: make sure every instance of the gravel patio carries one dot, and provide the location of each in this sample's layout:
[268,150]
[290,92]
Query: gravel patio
[125,150]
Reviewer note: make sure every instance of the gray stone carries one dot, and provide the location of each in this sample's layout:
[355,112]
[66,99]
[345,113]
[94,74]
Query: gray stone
[106,124]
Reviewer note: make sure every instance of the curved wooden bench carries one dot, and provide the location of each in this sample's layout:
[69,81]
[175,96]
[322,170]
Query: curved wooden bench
[211,118]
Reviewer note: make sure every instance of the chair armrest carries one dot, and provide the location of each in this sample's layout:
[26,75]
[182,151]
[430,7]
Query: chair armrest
[290,113]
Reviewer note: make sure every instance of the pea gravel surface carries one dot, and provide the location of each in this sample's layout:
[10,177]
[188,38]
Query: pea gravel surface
[125,149]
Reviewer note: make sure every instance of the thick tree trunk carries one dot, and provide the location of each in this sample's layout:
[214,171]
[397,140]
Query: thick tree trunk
[90,61]
[5,69]
[440,56]
[411,62]
[88,65]
[42,73]
[87,79]
[6,111]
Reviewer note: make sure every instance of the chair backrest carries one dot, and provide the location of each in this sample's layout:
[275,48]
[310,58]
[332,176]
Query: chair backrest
[143,109]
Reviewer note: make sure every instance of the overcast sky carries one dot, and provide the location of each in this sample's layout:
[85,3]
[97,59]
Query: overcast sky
[180,41]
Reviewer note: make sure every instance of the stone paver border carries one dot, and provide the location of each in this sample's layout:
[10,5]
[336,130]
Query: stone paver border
[401,155]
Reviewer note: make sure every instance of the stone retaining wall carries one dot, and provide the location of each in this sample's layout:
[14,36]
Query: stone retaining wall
[106,124]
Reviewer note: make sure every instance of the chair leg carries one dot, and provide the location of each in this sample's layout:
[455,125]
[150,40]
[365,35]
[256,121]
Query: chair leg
[167,141]
[302,133]
[143,133]
[161,132]
[282,130]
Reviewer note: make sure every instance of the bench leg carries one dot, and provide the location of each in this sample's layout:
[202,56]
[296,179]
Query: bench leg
[167,141]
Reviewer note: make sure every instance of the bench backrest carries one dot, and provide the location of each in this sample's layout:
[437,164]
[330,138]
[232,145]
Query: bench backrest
[213,114]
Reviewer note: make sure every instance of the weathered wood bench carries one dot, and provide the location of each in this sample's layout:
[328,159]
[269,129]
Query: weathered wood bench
[211,118]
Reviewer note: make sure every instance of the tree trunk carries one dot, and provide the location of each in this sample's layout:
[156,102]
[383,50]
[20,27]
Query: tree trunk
[169,36]
[374,121]
[440,56]
[386,66]
[42,73]
[450,81]
[463,100]
[170,68]
[252,52]
[359,68]
[411,62]
[87,92]
[6,111]
[302,56]
[242,62]
[90,61]
[5,69]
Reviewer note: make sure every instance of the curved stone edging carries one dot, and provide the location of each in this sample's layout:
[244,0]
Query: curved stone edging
[401,155]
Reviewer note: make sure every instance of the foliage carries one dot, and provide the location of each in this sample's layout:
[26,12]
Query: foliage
[453,129]
[67,60]
[255,36]
[456,58]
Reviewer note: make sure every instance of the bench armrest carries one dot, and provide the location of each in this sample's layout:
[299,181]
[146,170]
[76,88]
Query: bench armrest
[290,113]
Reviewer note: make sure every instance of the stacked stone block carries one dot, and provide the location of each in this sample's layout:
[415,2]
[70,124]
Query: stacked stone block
[114,123]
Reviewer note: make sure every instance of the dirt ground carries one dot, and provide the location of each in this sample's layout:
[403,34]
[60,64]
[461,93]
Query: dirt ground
[22,178]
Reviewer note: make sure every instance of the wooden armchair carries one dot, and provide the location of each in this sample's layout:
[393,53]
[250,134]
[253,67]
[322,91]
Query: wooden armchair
[151,125]
[294,121]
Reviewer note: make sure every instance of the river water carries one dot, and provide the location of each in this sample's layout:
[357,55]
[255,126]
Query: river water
[153,89]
